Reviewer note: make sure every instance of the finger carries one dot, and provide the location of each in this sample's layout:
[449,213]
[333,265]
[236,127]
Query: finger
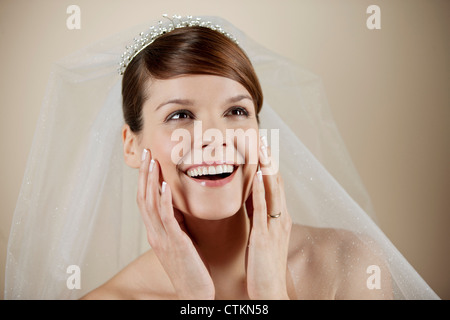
[142,186]
[259,203]
[267,163]
[168,219]
[271,185]
[153,196]
[273,198]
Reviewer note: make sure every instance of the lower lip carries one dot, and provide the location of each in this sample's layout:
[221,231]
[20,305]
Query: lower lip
[215,183]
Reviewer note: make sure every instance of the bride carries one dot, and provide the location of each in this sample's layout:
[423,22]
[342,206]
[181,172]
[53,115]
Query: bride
[220,220]
[205,244]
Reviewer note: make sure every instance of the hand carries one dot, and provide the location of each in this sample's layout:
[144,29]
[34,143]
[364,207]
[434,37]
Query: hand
[168,237]
[269,237]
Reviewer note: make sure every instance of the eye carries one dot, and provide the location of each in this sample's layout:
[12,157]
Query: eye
[180,115]
[238,111]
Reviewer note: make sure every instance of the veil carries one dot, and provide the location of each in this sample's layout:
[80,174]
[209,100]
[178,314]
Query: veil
[77,204]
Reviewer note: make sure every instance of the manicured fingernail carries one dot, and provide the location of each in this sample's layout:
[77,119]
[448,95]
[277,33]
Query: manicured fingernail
[152,165]
[259,175]
[264,141]
[144,154]
[163,187]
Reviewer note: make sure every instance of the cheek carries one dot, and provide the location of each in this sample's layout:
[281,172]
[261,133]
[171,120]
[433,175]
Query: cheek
[162,148]
[247,145]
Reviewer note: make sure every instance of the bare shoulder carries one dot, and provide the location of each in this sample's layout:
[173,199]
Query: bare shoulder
[337,264]
[144,278]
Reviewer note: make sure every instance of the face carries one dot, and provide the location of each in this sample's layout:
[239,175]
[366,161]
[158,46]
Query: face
[203,131]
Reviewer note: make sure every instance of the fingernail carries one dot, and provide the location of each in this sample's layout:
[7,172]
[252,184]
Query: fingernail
[152,164]
[259,175]
[163,187]
[144,154]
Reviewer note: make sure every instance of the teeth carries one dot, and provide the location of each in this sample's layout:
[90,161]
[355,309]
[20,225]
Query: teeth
[210,170]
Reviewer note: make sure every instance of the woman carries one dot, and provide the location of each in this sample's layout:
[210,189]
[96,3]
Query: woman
[219,226]
[198,74]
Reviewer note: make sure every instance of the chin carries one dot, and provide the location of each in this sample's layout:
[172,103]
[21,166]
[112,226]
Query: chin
[216,209]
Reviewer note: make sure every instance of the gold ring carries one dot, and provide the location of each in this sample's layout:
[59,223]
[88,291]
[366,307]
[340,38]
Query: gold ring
[275,215]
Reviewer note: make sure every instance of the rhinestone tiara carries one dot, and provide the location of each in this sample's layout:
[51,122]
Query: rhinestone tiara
[146,38]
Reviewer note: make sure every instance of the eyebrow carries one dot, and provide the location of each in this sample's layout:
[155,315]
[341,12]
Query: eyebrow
[184,102]
[187,102]
[239,98]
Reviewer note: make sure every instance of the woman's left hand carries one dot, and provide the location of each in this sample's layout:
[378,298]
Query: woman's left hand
[269,234]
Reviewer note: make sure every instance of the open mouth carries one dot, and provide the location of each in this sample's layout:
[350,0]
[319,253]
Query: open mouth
[213,172]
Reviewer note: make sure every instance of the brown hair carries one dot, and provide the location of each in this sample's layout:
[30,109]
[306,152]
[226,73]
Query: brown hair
[183,51]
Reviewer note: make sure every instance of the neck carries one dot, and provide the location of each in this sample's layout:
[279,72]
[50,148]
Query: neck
[222,244]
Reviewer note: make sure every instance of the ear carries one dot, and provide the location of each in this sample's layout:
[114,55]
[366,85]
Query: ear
[132,152]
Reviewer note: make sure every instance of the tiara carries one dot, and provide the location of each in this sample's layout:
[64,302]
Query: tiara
[146,38]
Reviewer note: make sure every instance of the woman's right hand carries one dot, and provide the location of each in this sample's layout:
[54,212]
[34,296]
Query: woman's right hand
[168,237]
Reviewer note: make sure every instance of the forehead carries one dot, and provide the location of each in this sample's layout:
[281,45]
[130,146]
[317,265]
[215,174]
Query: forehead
[193,87]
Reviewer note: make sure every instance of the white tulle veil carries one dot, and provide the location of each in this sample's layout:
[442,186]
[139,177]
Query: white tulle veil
[77,204]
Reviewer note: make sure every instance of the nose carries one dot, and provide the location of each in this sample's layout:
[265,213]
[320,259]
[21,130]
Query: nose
[214,139]
[210,137]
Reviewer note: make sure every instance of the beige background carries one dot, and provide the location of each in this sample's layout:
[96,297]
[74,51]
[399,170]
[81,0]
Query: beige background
[388,89]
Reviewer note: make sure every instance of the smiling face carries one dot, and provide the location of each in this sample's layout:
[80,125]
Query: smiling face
[187,123]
